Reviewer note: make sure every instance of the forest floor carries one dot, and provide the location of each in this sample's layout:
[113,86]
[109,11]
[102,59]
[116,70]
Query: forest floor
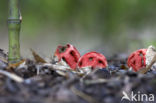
[39,83]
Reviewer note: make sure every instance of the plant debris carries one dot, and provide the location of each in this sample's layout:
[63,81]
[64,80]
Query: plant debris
[46,82]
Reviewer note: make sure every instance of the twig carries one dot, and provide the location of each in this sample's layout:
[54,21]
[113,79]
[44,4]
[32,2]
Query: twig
[97,81]
[12,76]
[4,60]
[83,95]
[86,74]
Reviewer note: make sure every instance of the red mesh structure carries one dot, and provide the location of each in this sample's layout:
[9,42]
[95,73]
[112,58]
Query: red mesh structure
[93,60]
[137,59]
[69,54]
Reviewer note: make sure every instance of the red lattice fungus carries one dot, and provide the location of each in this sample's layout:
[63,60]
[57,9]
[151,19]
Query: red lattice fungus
[93,60]
[137,59]
[69,54]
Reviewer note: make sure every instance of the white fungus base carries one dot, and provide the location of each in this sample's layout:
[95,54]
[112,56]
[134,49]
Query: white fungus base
[151,52]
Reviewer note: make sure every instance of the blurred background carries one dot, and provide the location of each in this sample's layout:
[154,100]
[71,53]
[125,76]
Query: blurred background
[107,26]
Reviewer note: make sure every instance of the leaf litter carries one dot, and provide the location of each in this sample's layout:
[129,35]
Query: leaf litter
[39,81]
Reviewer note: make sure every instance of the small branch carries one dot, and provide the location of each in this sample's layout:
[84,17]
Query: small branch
[83,95]
[12,76]
[97,81]
[4,60]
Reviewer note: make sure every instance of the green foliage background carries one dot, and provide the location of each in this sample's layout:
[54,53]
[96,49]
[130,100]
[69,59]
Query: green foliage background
[122,25]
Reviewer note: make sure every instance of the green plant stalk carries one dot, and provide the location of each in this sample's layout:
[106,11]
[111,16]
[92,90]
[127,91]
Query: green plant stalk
[14,24]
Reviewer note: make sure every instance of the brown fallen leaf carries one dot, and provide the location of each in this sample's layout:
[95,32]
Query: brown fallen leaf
[123,67]
[14,65]
[37,58]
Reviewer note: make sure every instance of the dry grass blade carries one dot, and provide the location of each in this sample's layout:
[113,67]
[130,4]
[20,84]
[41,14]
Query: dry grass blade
[83,95]
[145,70]
[84,75]
[12,76]
[97,81]
[3,60]
[37,58]
[58,67]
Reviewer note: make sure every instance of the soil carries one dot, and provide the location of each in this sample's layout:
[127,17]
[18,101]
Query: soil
[44,84]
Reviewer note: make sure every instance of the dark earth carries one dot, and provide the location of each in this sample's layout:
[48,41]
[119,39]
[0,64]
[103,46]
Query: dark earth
[43,84]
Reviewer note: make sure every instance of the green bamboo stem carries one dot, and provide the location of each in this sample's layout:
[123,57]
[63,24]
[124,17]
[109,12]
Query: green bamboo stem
[14,24]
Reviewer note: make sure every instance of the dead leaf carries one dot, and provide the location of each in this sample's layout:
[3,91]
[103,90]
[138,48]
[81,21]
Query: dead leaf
[37,58]
[123,67]
[14,65]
